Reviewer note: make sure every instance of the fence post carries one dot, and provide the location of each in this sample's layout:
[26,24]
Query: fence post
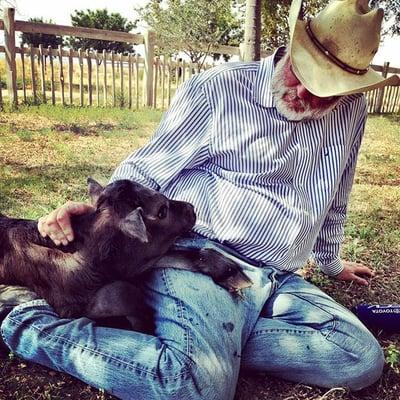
[105,78]
[9,42]
[80,77]
[71,77]
[242,49]
[33,73]
[381,91]
[60,60]
[42,73]
[149,41]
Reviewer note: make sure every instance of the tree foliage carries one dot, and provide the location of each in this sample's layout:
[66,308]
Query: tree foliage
[392,14]
[35,39]
[191,25]
[101,19]
[275,28]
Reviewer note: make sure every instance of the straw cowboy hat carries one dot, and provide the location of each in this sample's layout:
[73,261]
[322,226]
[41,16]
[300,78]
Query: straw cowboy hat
[331,53]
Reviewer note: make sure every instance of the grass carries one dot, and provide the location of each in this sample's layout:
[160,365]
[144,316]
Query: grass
[47,152]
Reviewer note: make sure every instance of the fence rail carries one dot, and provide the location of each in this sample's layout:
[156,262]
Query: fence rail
[91,78]
[112,79]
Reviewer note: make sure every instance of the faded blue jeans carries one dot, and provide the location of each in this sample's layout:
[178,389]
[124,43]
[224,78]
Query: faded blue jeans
[283,326]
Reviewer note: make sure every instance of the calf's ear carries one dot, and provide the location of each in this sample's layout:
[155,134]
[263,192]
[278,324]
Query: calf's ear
[133,225]
[94,189]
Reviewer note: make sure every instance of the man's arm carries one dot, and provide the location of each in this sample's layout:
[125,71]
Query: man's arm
[181,141]
[327,246]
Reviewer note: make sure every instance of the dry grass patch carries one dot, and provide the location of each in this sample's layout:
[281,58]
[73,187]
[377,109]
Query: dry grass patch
[15,122]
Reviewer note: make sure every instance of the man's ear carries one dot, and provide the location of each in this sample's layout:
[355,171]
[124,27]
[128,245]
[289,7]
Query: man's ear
[133,225]
[94,189]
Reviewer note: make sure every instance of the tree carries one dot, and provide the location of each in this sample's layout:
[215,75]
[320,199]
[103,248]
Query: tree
[101,19]
[392,14]
[252,31]
[275,28]
[192,26]
[35,39]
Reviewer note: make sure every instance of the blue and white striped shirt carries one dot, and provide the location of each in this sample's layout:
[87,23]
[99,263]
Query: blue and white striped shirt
[274,190]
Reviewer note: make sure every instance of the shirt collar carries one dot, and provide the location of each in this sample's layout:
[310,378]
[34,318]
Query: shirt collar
[262,85]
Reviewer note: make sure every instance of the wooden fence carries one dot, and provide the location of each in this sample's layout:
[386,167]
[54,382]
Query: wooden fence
[385,100]
[88,78]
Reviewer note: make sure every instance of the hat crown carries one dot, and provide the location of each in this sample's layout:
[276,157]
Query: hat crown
[330,54]
[349,30]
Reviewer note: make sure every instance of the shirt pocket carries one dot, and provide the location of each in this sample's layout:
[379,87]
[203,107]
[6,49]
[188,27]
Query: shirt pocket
[329,169]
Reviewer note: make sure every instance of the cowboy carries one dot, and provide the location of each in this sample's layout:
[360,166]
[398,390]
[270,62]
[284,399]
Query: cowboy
[266,152]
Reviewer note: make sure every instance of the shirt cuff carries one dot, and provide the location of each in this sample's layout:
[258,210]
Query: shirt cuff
[334,268]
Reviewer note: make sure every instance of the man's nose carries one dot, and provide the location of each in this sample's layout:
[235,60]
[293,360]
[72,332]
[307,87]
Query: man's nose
[302,92]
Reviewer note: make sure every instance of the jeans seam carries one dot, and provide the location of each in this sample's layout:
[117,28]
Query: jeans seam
[280,330]
[21,308]
[181,313]
[298,331]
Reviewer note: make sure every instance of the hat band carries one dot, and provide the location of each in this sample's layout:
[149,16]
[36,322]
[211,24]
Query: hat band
[328,54]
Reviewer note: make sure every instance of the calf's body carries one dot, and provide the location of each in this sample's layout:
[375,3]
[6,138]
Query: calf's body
[96,275]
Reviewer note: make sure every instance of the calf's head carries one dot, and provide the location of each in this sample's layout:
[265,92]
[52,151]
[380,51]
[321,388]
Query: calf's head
[139,223]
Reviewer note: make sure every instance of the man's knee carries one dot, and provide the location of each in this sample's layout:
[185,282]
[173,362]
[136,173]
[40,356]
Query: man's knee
[362,360]
[368,366]
[196,382]
[215,380]
[21,328]
[204,375]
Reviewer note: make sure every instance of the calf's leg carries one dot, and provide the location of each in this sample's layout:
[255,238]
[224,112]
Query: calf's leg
[121,299]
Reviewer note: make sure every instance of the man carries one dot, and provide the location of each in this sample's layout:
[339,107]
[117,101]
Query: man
[266,152]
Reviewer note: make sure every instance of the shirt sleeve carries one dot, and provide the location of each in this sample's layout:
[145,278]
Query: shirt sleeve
[327,246]
[180,141]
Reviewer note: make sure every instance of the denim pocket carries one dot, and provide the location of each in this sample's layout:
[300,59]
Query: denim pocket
[318,316]
[301,304]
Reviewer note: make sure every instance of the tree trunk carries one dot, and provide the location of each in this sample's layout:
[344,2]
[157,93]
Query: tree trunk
[252,31]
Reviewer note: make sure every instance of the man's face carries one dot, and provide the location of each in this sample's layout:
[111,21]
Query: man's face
[293,100]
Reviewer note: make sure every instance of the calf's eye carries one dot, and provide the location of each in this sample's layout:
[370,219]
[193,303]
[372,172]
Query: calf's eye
[162,212]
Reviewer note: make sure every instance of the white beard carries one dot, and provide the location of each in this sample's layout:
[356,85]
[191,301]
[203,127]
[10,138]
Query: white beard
[279,91]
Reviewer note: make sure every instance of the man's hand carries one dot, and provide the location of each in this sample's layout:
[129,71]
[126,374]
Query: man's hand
[355,272]
[57,225]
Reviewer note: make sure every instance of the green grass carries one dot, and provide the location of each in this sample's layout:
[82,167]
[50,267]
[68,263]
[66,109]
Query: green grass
[46,154]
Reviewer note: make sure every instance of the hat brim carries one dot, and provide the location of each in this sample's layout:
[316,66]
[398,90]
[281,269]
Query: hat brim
[318,74]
